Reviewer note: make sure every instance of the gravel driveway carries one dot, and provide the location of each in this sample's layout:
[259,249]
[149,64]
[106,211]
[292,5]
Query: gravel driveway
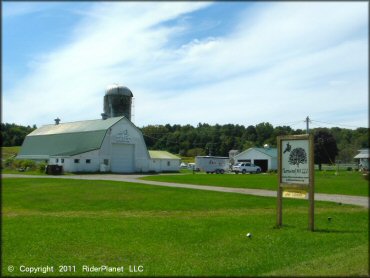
[344,199]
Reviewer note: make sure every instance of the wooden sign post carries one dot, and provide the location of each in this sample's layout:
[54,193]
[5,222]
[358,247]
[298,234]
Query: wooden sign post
[296,172]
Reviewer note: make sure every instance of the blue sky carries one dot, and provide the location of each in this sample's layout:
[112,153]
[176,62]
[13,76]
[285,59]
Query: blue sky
[223,62]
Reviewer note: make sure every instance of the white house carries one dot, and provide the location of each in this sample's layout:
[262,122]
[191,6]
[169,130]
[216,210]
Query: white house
[266,157]
[111,144]
[363,159]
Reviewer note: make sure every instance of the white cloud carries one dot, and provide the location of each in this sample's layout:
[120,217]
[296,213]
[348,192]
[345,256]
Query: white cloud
[281,63]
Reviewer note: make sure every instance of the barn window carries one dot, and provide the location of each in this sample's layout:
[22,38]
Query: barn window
[77,161]
[168,163]
[57,160]
[88,161]
[106,161]
[62,160]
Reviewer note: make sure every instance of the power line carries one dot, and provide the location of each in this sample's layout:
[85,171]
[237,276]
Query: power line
[335,124]
[290,123]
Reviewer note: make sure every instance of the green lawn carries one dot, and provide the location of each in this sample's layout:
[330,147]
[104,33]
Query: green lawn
[346,182]
[174,231]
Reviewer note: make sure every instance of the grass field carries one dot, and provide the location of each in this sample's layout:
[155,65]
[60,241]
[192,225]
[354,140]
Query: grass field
[346,182]
[8,152]
[174,231]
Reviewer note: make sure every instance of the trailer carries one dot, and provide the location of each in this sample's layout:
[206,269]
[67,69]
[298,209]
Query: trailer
[212,164]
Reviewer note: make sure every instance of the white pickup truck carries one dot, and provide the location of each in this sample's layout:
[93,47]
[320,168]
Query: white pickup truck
[246,167]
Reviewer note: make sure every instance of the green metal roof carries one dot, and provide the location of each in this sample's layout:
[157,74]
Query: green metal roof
[65,139]
[268,151]
[72,127]
[162,155]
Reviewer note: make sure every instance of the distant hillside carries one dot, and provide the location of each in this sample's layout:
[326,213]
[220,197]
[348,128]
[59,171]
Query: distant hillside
[9,152]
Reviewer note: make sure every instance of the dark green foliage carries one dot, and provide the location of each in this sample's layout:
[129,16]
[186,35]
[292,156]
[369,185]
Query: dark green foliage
[210,140]
[13,135]
[42,166]
[325,147]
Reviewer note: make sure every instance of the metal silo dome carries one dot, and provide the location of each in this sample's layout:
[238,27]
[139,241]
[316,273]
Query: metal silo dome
[118,101]
[116,89]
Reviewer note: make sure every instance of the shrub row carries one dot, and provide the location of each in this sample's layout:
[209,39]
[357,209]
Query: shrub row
[24,164]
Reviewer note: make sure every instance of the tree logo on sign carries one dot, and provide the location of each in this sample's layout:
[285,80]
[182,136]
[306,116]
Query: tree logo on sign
[297,156]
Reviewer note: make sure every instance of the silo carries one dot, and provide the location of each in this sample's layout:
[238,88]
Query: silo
[117,101]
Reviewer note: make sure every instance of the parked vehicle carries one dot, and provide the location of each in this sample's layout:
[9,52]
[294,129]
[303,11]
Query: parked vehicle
[212,164]
[246,167]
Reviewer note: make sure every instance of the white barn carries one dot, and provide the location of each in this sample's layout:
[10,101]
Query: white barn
[111,144]
[266,158]
[105,145]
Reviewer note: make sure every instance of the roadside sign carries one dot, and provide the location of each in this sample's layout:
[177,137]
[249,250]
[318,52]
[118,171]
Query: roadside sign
[296,172]
[295,162]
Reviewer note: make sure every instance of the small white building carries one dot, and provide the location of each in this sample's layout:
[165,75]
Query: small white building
[363,159]
[105,145]
[266,157]
[162,161]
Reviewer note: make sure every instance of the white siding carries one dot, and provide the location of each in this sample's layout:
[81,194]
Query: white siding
[164,165]
[121,135]
[69,164]
[123,150]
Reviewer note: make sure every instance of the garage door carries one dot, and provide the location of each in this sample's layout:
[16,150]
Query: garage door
[263,163]
[122,158]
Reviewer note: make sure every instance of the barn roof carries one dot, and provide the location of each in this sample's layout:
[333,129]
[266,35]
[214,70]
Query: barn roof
[272,152]
[268,151]
[162,155]
[75,127]
[364,153]
[65,139]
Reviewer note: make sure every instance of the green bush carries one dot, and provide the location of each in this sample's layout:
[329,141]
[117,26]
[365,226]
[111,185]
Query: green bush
[16,164]
[22,164]
[42,166]
[30,164]
[8,162]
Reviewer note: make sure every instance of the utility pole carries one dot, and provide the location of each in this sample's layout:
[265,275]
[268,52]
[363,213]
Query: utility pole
[307,125]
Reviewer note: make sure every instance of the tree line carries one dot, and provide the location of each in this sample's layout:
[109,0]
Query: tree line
[338,143]
[13,135]
[204,139]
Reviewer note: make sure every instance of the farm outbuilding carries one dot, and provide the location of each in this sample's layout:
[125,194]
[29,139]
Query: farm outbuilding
[162,161]
[363,159]
[111,144]
[266,157]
